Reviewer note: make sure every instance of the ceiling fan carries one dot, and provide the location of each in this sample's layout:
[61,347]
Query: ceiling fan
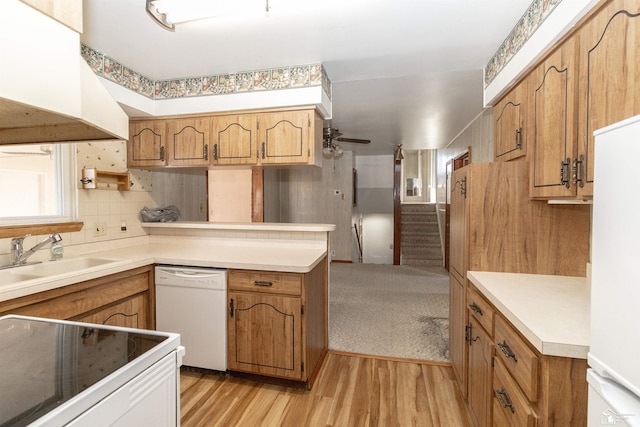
[330,148]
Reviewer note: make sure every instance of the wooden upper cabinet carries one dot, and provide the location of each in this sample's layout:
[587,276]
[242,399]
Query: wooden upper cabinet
[234,139]
[286,137]
[189,141]
[552,128]
[609,78]
[509,115]
[147,144]
[289,137]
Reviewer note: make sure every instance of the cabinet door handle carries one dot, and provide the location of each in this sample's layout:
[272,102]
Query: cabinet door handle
[162,153]
[262,283]
[474,307]
[507,351]
[505,400]
[263,149]
[231,308]
[564,172]
[215,151]
[205,152]
[578,171]
[519,138]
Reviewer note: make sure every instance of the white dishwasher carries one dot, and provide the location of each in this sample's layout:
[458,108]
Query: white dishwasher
[192,301]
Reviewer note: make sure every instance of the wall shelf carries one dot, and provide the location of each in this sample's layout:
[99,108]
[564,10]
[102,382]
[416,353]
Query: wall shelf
[92,177]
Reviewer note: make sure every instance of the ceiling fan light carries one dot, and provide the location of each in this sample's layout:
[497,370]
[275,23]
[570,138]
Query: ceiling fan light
[328,151]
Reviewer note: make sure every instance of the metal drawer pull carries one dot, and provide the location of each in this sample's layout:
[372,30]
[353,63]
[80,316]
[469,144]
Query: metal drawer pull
[507,351]
[505,400]
[474,307]
[262,283]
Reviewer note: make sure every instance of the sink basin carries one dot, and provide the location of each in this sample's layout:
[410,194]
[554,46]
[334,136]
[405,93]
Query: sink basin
[63,266]
[49,269]
[8,277]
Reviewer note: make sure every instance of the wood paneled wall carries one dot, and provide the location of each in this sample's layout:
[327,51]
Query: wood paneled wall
[186,189]
[307,195]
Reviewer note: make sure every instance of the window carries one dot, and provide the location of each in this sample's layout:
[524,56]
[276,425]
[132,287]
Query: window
[37,184]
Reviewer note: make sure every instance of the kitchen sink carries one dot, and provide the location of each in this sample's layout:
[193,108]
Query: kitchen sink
[8,277]
[50,268]
[63,266]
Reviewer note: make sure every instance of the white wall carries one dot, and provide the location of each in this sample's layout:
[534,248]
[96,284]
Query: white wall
[375,207]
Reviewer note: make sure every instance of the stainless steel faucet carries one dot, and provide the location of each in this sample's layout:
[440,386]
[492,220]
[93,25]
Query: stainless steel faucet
[19,256]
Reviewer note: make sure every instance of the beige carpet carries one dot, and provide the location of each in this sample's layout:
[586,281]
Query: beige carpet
[387,310]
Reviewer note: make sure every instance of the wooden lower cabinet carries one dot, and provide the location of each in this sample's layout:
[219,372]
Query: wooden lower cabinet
[128,313]
[457,339]
[278,323]
[480,360]
[267,334]
[121,299]
[511,384]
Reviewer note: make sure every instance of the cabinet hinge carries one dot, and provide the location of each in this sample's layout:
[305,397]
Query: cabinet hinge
[302,309]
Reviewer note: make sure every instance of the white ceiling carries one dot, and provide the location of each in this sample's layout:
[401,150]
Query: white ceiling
[403,72]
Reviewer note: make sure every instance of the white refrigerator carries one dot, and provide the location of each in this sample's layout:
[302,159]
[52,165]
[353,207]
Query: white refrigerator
[614,354]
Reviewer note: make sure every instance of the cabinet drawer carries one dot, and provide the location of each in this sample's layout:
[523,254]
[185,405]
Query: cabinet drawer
[517,357]
[510,407]
[260,281]
[481,310]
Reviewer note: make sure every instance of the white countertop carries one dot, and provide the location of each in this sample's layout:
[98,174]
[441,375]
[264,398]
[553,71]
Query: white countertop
[248,226]
[552,312]
[247,254]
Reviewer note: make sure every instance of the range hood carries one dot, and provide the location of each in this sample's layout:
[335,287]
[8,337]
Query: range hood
[48,93]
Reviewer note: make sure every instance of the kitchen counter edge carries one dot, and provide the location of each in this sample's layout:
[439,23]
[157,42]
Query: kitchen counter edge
[551,312]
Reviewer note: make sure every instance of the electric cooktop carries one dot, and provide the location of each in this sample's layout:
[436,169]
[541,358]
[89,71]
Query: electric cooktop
[44,363]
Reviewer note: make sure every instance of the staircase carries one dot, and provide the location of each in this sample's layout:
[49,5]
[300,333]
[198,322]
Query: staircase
[420,237]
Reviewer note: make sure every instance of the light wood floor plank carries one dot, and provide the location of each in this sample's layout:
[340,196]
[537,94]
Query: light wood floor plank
[350,391]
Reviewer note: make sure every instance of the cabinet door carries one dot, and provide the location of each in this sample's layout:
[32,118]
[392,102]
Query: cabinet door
[480,374]
[509,115]
[265,334]
[130,313]
[553,129]
[285,137]
[146,146]
[189,142]
[609,80]
[235,140]
[457,331]
[458,224]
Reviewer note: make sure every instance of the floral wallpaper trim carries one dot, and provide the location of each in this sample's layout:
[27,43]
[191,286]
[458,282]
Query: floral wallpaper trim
[249,81]
[524,29]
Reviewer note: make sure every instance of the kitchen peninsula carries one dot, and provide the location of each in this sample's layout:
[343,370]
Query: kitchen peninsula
[284,253]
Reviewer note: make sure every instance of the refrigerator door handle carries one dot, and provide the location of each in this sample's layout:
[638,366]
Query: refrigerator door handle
[625,405]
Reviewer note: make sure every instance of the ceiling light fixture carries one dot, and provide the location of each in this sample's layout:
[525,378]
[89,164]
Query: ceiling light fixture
[168,13]
[155,9]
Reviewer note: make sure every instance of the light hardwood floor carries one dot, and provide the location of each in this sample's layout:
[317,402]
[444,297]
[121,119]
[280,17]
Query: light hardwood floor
[351,390]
